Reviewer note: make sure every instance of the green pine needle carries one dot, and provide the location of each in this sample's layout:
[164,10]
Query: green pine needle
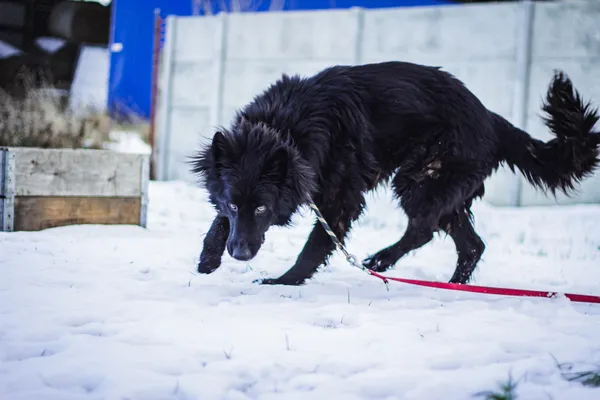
[589,378]
[507,391]
[586,378]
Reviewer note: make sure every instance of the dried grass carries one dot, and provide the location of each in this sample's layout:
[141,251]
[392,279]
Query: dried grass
[42,119]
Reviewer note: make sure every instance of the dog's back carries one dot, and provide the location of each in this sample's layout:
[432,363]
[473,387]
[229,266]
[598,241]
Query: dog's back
[330,138]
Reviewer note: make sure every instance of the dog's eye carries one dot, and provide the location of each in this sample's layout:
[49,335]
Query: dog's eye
[233,207]
[260,209]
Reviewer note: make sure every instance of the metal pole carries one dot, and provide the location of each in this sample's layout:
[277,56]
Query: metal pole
[154,89]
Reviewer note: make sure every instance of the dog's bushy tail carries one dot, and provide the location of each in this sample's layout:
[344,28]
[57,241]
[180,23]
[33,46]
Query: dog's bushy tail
[570,156]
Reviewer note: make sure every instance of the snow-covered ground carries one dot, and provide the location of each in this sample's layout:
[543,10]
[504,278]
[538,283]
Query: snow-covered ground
[127,142]
[105,312]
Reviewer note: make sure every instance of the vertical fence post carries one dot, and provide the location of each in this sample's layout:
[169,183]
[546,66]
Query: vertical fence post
[360,26]
[164,131]
[154,88]
[7,190]
[216,107]
[521,95]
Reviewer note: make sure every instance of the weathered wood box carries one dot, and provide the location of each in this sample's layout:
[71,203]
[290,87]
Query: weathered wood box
[46,188]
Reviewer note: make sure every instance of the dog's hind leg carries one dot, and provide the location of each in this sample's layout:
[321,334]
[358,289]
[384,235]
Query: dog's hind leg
[416,235]
[339,215]
[413,238]
[214,245]
[469,246]
[425,201]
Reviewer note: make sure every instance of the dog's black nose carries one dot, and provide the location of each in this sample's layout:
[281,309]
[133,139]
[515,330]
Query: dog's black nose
[242,253]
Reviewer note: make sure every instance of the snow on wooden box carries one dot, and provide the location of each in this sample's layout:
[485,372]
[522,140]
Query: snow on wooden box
[46,188]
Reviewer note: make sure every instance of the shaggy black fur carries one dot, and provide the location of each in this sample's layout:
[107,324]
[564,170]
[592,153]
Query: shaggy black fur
[334,136]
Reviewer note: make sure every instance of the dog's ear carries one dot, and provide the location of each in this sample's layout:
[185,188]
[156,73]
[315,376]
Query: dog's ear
[218,147]
[276,166]
[210,157]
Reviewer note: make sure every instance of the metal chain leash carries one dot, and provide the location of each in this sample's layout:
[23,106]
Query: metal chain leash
[349,257]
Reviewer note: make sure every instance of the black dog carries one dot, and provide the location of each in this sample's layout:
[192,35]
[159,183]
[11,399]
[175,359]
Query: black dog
[332,137]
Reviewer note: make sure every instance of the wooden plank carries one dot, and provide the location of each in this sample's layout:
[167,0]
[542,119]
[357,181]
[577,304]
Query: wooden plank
[77,172]
[37,213]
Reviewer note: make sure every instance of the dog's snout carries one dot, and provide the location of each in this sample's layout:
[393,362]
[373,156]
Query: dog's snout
[242,252]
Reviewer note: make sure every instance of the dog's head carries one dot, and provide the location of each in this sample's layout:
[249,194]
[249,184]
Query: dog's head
[256,179]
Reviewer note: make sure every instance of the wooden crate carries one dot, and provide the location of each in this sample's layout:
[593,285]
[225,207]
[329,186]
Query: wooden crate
[46,188]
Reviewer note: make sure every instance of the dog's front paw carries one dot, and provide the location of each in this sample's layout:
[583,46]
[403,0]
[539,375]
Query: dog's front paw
[277,281]
[207,266]
[268,281]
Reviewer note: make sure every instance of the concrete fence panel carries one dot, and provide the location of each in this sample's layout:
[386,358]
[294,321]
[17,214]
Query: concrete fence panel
[260,47]
[505,54]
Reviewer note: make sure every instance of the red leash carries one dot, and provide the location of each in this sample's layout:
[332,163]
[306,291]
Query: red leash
[581,298]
